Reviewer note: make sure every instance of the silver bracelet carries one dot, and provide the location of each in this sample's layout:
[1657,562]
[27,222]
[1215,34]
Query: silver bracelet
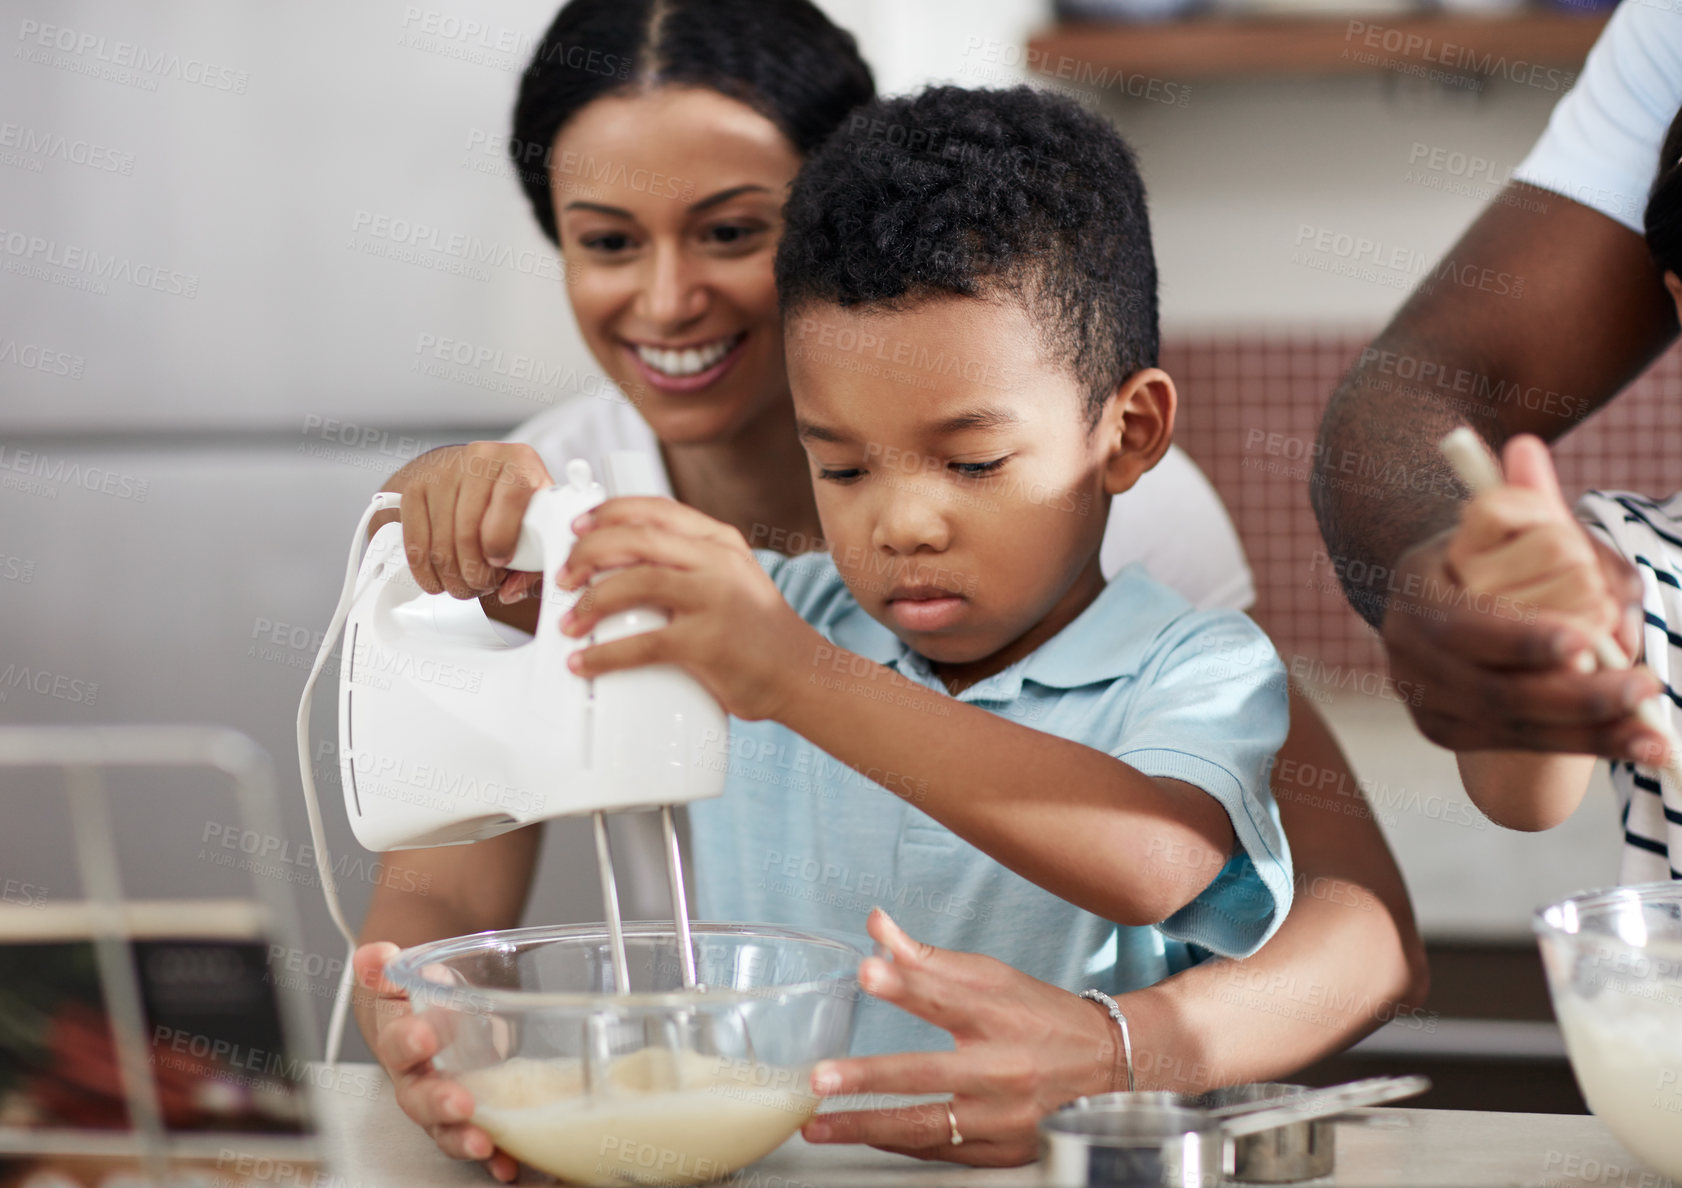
[1100,997]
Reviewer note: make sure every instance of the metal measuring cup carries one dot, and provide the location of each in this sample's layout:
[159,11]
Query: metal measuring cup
[1146,1140]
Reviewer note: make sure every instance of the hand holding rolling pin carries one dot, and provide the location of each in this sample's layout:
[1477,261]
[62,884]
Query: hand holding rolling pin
[1520,553]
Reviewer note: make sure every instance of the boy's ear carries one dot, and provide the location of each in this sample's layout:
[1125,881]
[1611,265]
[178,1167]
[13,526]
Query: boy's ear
[1137,427]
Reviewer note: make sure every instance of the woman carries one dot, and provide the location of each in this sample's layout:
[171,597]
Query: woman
[671,284]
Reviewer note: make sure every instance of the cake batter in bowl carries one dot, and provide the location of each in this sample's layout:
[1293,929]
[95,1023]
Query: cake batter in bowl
[658,1085]
[1614,964]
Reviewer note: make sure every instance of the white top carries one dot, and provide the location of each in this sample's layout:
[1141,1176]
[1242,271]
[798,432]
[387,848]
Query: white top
[1649,536]
[1601,146]
[1171,522]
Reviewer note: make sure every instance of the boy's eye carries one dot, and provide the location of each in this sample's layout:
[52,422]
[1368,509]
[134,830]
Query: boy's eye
[975,469]
[839,474]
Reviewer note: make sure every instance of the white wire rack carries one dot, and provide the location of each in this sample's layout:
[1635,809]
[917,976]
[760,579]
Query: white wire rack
[85,757]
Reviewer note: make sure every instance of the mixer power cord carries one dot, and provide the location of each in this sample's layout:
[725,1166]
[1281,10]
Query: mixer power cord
[382,501]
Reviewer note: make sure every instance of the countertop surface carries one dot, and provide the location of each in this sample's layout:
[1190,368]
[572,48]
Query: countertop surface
[371,1144]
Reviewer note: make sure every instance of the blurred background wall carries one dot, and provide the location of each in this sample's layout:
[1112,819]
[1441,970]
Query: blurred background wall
[221,327]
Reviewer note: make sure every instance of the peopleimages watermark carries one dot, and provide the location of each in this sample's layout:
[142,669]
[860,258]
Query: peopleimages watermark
[806,877]
[26,147]
[43,683]
[904,140]
[1320,464]
[805,770]
[21,894]
[539,161]
[354,444]
[77,266]
[911,357]
[118,61]
[512,373]
[1329,788]
[257,1068]
[794,764]
[1362,257]
[16,569]
[1576,1169]
[1453,171]
[500,46]
[1313,1001]
[1464,65]
[43,469]
[1445,385]
[411,241]
[981,53]
[409,780]
[32,356]
[369,666]
[1372,577]
[280,857]
[1321,681]
[304,972]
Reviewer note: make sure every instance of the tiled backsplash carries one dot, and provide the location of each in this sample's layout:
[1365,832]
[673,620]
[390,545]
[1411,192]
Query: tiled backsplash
[1250,409]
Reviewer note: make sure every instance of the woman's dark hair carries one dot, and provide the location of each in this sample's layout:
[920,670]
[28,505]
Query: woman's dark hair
[1664,203]
[783,58]
[1017,193]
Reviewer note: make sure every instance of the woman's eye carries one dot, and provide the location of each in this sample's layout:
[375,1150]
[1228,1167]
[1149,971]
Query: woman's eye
[732,234]
[976,469]
[607,242]
[839,474]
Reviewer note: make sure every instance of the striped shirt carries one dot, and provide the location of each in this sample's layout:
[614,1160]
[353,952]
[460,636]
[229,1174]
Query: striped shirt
[1648,534]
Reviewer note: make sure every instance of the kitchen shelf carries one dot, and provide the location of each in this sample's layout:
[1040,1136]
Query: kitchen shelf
[1215,47]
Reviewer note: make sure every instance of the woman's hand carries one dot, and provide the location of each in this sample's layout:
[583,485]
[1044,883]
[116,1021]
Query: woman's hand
[731,629]
[404,1046]
[462,507]
[1024,1047]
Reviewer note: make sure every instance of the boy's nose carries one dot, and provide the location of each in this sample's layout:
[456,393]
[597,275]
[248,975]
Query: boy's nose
[911,522]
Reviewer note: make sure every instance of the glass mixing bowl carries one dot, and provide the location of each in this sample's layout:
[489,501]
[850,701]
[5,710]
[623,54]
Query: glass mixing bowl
[659,1086]
[1614,964]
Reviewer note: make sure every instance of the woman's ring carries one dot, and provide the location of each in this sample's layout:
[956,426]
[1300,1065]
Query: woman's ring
[957,1140]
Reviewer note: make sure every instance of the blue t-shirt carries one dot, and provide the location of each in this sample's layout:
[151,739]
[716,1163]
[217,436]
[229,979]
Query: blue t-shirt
[802,840]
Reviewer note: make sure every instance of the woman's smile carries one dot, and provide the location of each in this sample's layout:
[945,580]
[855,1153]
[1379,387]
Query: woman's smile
[688,367]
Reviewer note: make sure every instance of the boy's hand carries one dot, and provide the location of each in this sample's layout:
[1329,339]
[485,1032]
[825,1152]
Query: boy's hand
[1521,542]
[730,628]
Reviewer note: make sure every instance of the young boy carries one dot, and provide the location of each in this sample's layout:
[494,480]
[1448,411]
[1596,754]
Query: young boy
[950,712]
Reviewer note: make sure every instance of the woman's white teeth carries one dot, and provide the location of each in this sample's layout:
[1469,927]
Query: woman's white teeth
[687,362]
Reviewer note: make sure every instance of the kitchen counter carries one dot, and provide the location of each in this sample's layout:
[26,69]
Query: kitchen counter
[371,1144]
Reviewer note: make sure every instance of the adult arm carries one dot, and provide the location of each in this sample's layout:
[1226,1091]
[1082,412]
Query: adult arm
[1347,959]
[1539,319]
[426,895]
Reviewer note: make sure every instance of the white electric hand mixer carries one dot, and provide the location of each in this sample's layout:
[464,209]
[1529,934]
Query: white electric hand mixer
[450,734]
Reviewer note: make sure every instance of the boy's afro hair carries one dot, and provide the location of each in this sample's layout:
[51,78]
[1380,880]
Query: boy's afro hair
[1000,194]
